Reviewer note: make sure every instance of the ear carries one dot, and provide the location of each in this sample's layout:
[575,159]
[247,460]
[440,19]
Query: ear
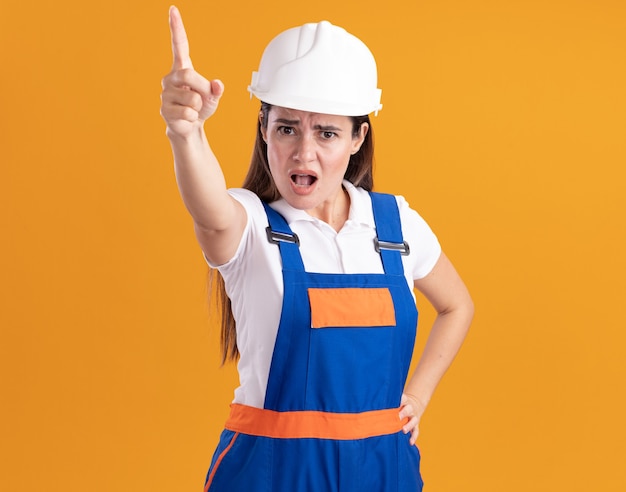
[358,140]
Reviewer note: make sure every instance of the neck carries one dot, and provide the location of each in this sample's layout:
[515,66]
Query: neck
[335,211]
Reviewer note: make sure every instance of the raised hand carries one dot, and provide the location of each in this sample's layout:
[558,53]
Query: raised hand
[187,99]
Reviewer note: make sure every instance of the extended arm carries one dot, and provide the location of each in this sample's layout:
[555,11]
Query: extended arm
[445,290]
[187,101]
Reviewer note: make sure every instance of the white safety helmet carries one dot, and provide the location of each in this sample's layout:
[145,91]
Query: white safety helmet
[319,68]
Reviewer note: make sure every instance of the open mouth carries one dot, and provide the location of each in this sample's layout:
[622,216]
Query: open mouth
[303,179]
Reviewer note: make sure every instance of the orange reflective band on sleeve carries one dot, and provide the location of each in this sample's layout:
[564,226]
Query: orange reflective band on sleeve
[348,307]
[311,424]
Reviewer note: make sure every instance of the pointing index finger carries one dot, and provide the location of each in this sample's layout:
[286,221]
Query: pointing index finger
[180,44]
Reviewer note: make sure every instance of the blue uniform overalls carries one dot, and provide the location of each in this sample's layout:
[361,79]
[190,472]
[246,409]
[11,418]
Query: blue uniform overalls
[330,420]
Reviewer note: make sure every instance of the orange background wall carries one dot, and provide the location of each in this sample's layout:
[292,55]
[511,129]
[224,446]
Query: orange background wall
[503,124]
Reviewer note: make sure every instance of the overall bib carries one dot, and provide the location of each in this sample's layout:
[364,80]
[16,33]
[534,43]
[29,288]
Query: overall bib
[330,420]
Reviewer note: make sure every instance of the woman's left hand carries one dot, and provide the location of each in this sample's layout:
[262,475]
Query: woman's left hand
[413,409]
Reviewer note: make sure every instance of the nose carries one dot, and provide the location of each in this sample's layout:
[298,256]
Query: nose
[305,150]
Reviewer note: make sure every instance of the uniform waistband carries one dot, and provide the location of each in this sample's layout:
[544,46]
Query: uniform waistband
[313,424]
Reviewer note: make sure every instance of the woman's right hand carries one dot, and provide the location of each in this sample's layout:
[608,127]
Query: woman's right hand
[187,99]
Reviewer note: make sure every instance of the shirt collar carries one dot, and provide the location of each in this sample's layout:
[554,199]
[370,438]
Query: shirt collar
[360,208]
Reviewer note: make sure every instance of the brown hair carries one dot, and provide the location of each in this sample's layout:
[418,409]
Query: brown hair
[259,180]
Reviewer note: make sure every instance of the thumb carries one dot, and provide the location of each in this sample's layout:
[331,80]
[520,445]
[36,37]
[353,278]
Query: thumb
[217,89]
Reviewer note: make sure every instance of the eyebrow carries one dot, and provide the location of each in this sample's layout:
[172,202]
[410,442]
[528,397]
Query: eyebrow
[285,121]
[324,128]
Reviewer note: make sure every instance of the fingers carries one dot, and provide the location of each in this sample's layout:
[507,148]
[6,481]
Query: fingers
[184,98]
[409,410]
[413,428]
[179,105]
[188,99]
[180,43]
[189,79]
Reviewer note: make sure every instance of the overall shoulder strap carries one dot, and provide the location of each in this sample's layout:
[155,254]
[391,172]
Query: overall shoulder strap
[288,242]
[389,242]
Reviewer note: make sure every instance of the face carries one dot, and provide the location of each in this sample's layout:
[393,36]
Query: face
[308,155]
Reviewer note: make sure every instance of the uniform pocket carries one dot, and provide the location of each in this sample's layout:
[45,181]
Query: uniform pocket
[351,307]
[351,360]
[222,450]
[409,476]
[242,463]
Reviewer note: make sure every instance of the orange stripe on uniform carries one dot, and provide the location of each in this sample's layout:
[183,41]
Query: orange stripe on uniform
[345,307]
[219,460]
[311,424]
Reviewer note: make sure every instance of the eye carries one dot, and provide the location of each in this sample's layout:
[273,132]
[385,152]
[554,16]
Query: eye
[286,130]
[327,135]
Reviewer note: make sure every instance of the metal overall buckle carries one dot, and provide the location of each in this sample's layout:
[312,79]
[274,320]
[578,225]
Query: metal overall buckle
[276,237]
[402,247]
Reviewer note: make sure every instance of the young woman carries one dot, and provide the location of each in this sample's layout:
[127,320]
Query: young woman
[318,271]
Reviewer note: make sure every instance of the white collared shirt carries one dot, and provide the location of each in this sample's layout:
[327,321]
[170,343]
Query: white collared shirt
[253,276]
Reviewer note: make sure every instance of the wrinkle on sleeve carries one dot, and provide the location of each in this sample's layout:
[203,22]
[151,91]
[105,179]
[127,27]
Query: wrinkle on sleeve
[425,247]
